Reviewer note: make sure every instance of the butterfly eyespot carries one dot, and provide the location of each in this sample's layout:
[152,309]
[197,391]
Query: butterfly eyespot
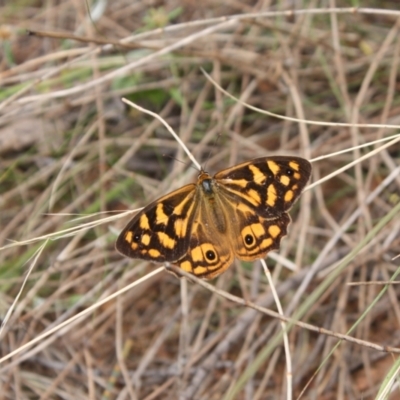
[136,238]
[289,172]
[210,255]
[249,240]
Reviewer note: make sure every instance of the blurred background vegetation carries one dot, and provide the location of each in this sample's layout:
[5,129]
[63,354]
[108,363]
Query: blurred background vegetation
[72,156]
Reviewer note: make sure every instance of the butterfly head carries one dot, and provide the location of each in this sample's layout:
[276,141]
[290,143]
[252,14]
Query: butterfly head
[205,181]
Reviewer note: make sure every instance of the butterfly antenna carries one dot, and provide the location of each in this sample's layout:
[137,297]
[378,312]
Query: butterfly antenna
[213,146]
[183,162]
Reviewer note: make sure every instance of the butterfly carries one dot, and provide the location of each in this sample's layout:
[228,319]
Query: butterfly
[239,212]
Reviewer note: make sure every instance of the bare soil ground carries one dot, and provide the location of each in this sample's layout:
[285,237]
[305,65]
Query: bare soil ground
[73,157]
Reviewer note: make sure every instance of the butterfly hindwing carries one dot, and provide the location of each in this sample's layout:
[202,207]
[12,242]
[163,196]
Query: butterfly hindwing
[161,231]
[209,254]
[259,235]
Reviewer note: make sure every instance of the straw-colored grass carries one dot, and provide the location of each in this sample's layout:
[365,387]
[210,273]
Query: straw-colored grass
[73,157]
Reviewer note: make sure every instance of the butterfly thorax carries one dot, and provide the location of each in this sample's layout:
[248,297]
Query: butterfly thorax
[208,191]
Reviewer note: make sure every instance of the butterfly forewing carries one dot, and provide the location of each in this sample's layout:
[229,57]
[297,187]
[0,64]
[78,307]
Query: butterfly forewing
[270,185]
[161,231]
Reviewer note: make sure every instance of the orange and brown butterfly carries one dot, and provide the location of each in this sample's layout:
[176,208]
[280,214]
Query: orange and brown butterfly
[201,227]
